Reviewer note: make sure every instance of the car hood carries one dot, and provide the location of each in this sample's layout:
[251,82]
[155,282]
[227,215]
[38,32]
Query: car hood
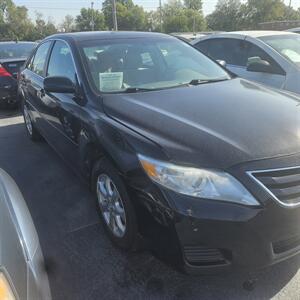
[215,124]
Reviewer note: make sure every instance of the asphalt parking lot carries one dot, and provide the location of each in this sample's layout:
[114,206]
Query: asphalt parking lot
[82,262]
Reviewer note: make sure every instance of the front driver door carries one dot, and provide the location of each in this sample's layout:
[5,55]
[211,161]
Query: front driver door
[275,78]
[60,109]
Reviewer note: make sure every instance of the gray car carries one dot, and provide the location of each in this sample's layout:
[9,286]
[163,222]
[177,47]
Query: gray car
[22,271]
[268,57]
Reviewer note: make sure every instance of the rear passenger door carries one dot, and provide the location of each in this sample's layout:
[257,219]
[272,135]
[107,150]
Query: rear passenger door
[31,83]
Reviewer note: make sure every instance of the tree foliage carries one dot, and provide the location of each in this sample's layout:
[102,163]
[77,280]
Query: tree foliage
[84,20]
[129,15]
[175,16]
[226,17]
[232,15]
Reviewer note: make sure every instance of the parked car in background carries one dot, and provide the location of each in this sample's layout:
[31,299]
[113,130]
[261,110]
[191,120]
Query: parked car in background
[22,270]
[190,36]
[203,165]
[268,57]
[295,30]
[12,57]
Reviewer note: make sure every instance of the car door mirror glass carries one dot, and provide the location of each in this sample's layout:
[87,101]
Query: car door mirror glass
[57,84]
[256,64]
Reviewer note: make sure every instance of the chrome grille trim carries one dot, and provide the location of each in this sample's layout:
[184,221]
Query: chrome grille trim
[261,184]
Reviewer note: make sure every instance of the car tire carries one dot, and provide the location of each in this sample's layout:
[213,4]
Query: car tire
[122,228]
[32,132]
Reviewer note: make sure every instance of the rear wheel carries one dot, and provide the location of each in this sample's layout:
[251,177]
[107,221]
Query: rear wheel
[30,129]
[114,205]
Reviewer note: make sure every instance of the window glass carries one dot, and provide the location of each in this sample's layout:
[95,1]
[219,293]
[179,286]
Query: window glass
[40,59]
[16,50]
[151,64]
[203,46]
[61,62]
[255,51]
[287,45]
[233,51]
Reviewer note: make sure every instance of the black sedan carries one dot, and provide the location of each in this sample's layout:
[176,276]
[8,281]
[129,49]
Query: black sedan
[12,57]
[203,166]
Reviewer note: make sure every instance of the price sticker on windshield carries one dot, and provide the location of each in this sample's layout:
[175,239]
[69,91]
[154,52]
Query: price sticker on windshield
[111,81]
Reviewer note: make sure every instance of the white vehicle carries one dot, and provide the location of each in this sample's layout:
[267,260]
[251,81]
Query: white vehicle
[268,57]
[22,270]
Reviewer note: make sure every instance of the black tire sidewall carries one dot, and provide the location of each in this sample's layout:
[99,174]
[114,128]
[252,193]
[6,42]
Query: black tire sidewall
[35,136]
[129,240]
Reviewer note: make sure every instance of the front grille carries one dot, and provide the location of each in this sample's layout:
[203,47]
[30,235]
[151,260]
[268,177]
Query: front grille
[201,255]
[282,184]
[286,245]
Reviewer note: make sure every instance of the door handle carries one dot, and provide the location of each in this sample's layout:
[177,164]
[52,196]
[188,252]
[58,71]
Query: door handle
[41,93]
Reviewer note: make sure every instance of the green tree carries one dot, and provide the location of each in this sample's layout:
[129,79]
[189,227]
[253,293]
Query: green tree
[14,21]
[258,11]
[193,4]
[129,15]
[226,16]
[84,20]
[68,24]
[42,28]
[179,17]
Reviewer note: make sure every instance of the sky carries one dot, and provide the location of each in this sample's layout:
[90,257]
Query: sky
[57,9]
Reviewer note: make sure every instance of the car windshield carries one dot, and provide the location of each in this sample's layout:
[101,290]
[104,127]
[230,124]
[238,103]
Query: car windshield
[287,45]
[148,64]
[15,50]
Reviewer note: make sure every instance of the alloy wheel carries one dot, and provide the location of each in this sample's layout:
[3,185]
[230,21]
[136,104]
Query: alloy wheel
[27,119]
[111,205]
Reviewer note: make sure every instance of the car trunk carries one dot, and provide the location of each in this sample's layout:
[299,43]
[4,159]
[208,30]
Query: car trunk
[13,65]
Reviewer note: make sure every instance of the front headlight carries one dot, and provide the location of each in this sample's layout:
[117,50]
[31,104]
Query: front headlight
[6,292]
[201,183]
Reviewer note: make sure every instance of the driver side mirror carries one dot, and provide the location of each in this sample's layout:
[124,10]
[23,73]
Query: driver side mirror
[58,84]
[256,64]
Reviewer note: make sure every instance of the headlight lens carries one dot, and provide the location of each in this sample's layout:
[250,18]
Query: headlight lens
[202,183]
[5,289]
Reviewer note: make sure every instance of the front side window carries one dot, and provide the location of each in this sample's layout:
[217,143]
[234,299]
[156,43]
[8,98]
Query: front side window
[61,62]
[116,65]
[40,58]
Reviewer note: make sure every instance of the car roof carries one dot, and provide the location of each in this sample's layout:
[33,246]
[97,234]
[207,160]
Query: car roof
[98,35]
[16,42]
[243,35]
[293,29]
[260,33]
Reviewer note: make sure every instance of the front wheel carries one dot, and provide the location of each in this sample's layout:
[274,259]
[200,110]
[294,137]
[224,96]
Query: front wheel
[30,129]
[114,205]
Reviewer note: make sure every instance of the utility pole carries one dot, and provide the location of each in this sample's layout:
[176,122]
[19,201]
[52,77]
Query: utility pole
[160,15]
[290,4]
[114,14]
[92,18]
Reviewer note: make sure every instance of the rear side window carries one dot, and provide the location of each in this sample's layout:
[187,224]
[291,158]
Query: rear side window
[40,58]
[61,62]
[233,51]
[203,46]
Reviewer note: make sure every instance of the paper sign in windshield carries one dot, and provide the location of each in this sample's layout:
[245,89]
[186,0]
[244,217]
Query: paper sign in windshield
[111,81]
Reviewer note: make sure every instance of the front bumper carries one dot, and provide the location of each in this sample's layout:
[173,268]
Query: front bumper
[214,236]
[218,237]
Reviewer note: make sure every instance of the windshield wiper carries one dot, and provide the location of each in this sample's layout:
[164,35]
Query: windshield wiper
[202,81]
[137,89]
